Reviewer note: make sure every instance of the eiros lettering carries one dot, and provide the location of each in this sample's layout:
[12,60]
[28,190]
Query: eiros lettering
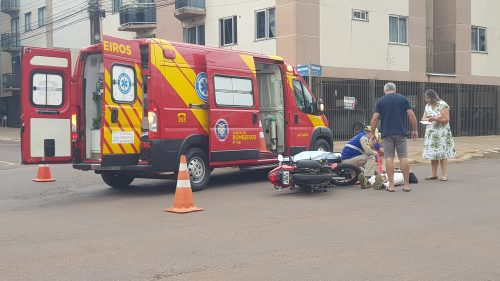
[114,47]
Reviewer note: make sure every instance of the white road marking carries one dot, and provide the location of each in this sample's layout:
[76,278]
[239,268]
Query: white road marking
[8,163]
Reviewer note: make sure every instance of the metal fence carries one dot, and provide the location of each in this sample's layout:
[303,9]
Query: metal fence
[474,109]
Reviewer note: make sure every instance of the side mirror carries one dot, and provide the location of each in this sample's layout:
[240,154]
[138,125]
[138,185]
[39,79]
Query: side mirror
[320,106]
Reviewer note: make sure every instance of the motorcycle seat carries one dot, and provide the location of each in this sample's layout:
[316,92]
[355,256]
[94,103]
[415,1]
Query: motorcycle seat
[309,164]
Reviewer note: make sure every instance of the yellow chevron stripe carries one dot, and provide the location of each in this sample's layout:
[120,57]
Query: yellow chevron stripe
[121,120]
[181,79]
[250,62]
[278,58]
[137,105]
[316,120]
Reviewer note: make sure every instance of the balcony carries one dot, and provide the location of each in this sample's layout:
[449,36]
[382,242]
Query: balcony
[10,42]
[10,7]
[11,81]
[138,17]
[188,9]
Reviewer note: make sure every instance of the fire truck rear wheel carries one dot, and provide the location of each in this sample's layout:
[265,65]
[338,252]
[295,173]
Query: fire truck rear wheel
[322,145]
[199,171]
[116,180]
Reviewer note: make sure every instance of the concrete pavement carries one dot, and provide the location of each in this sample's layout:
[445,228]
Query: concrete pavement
[79,229]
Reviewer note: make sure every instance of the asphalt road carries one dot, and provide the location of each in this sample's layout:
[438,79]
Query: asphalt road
[79,229]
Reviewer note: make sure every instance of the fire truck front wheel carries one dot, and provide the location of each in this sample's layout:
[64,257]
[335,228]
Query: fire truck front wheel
[322,145]
[116,180]
[199,171]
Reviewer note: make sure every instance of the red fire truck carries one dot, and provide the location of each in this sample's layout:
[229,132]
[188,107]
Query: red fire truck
[132,107]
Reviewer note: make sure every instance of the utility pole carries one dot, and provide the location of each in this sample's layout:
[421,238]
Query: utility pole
[95,14]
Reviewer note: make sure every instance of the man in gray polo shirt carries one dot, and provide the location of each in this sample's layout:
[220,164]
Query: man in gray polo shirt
[393,110]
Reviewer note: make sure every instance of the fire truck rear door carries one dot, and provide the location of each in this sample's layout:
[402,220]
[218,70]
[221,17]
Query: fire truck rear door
[45,106]
[122,102]
[234,108]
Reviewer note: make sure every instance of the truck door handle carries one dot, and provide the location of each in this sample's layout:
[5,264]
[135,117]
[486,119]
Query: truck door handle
[114,115]
[48,111]
[296,118]
[254,118]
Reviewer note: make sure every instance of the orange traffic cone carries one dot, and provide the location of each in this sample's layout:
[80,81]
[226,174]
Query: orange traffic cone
[262,144]
[44,174]
[183,200]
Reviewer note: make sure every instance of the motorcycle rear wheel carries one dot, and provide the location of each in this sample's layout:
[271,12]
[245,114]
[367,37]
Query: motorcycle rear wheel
[347,171]
[311,179]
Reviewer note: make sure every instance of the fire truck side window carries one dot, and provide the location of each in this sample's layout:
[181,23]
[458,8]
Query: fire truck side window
[299,95]
[308,100]
[47,89]
[303,97]
[233,91]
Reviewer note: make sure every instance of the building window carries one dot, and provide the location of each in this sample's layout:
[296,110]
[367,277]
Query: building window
[14,25]
[228,31]
[195,35]
[116,5]
[41,17]
[27,21]
[478,39]
[265,24]
[398,30]
[360,15]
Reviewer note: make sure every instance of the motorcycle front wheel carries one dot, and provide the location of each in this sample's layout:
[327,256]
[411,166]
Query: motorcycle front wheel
[345,174]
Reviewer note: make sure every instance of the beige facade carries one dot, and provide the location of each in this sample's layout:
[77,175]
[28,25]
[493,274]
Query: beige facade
[437,49]
[484,14]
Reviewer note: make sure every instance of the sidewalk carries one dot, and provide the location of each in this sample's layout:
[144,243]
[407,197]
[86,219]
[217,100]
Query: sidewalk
[10,134]
[466,147]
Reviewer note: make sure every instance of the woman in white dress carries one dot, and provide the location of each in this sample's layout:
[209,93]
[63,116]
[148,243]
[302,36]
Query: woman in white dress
[438,145]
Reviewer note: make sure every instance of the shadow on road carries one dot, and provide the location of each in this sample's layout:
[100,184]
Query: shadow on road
[228,178]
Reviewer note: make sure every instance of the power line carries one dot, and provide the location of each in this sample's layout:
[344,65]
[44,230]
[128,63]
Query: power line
[52,18]
[158,5]
[40,6]
[33,37]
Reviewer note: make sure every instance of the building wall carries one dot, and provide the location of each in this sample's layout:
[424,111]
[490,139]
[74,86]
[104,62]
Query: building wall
[168,26]
[110,24]
[74,31]
[359,44]
[484,13]
[216,9]
[298,31]
[37,37]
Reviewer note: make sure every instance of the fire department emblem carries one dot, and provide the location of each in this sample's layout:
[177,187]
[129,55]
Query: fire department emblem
[124,83]
[221,129]
[201,85]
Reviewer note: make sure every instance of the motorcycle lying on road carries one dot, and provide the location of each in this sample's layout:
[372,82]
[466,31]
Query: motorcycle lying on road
[314,170]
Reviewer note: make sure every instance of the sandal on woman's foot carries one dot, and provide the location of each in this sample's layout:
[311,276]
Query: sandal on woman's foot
[406,189]
[445,178]
[431,178]
[390,190]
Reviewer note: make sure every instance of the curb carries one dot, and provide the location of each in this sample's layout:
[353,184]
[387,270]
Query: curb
[464,156]
[10,139]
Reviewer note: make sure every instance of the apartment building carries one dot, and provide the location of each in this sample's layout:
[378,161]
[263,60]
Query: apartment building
[36,23]
[449,45]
